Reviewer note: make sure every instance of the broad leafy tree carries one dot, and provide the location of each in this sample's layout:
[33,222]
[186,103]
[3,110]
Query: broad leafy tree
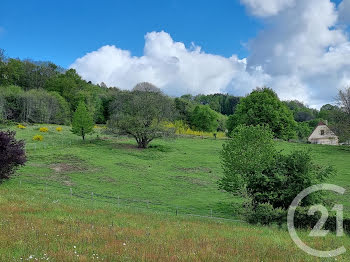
[141,114]
[263,107]
[221,103]
[82,123]
[203,118]
[300,111]
[184,109]
[327,112]
[12,154]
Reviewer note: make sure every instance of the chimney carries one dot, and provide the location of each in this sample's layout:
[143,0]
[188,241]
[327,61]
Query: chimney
[326,122]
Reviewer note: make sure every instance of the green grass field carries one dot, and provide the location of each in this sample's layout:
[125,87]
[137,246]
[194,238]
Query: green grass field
[136,195]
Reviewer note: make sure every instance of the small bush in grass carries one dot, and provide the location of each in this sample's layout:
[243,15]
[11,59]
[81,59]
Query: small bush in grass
[59,129]
[21,126]
[43,129]
[38,138]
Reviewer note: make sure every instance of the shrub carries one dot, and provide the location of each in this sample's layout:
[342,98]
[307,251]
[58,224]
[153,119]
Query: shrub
[253,167]
[303,131]
[21,126]
[43,129]
[59,129]
[38,138]
[246,156]
[303,220]
[266,214]
[12,154]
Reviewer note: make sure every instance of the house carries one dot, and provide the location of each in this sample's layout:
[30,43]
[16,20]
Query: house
[323,135]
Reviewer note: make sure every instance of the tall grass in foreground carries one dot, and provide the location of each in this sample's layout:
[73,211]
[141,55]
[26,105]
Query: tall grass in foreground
[41,227]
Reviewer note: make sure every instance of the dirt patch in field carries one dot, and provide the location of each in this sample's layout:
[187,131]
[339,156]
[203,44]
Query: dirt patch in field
[67,168]
[69,164]
[62,171]
[66,164]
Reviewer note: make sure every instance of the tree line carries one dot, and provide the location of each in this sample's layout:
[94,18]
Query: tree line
[42,92]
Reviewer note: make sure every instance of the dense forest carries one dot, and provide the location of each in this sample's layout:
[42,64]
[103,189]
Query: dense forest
[42,92]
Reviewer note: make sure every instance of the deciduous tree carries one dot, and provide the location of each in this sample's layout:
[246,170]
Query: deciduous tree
[141,113]
[203,118]
[82,123]
[263,107]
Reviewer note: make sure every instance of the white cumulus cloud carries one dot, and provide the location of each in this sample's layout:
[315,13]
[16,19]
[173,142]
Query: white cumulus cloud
[344,11]
[267,7]
[168,64]
[301,53]
[304,43]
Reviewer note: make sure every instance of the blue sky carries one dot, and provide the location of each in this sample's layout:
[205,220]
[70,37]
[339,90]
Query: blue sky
[61,31]
[300,48]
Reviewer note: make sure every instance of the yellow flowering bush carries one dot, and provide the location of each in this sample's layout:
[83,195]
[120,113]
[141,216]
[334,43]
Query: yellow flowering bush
[21,126]
[43,129]
[38,138]
[101,127]
[59,129]
[182,128]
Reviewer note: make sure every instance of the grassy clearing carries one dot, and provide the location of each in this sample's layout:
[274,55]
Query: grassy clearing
[172,174]
[38,215]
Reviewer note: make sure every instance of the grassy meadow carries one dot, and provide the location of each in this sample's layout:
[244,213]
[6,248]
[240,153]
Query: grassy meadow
[105,199]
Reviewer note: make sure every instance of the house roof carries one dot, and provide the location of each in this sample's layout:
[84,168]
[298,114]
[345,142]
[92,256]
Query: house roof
[321,123]
[315,136]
